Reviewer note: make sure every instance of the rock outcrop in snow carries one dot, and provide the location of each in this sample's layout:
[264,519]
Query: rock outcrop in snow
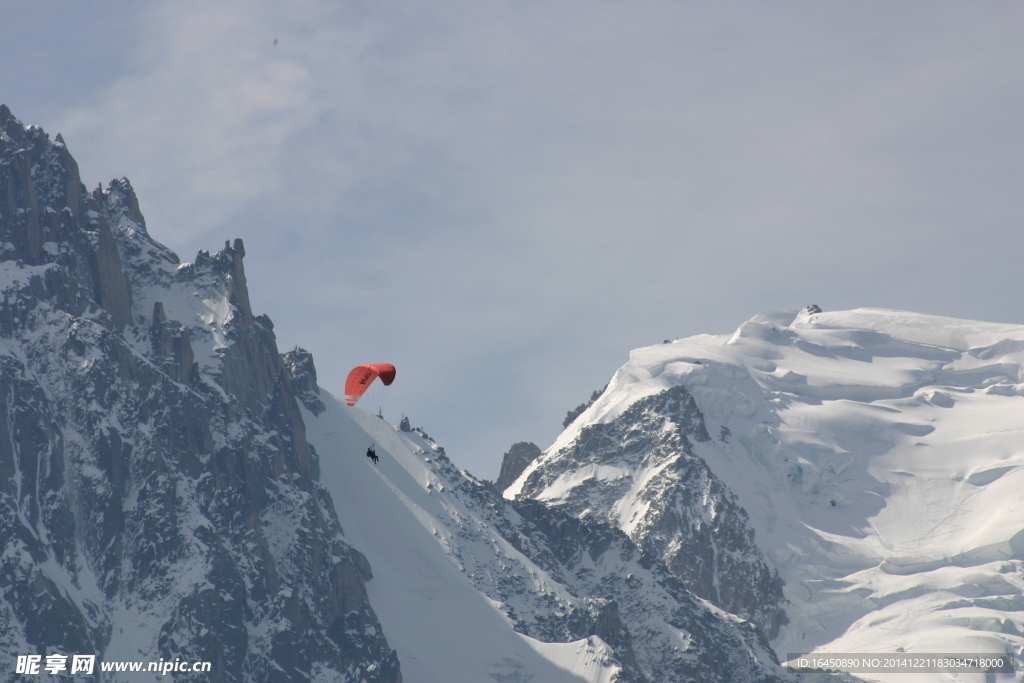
[578,410]
[515,460]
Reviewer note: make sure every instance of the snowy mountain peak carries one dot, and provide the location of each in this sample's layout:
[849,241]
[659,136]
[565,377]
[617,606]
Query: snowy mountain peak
[875,454]
[46,217]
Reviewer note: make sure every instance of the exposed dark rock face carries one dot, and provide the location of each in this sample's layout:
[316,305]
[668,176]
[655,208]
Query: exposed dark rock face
[299,364]
[158,497]
[686,517]
[515,462]
[172,345]
[47,218]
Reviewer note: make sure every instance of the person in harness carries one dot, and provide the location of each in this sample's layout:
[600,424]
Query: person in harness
[372,455]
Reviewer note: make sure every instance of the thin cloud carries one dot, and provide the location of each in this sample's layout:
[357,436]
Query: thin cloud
[534,185]
[202,116]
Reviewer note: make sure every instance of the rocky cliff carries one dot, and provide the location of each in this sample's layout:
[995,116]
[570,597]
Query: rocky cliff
[158,496]
[641,474]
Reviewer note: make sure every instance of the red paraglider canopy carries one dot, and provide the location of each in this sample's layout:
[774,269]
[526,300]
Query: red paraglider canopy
[361,376]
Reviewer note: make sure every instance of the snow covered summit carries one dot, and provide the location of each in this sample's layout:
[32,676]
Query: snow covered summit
[877,457]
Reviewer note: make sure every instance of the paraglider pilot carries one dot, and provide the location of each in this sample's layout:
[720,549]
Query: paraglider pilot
[372,455]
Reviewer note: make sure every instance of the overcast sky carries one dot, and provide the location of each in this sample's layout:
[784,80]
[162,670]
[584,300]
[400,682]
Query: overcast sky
[504,198]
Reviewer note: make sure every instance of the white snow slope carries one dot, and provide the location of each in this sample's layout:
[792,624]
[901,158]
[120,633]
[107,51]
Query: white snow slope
[444,629]
[880,455]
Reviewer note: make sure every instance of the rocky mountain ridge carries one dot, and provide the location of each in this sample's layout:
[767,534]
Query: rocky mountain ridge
[685,517]
[613,611]
[159,497]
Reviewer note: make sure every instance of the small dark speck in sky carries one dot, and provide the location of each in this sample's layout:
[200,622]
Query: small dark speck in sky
[275,41]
